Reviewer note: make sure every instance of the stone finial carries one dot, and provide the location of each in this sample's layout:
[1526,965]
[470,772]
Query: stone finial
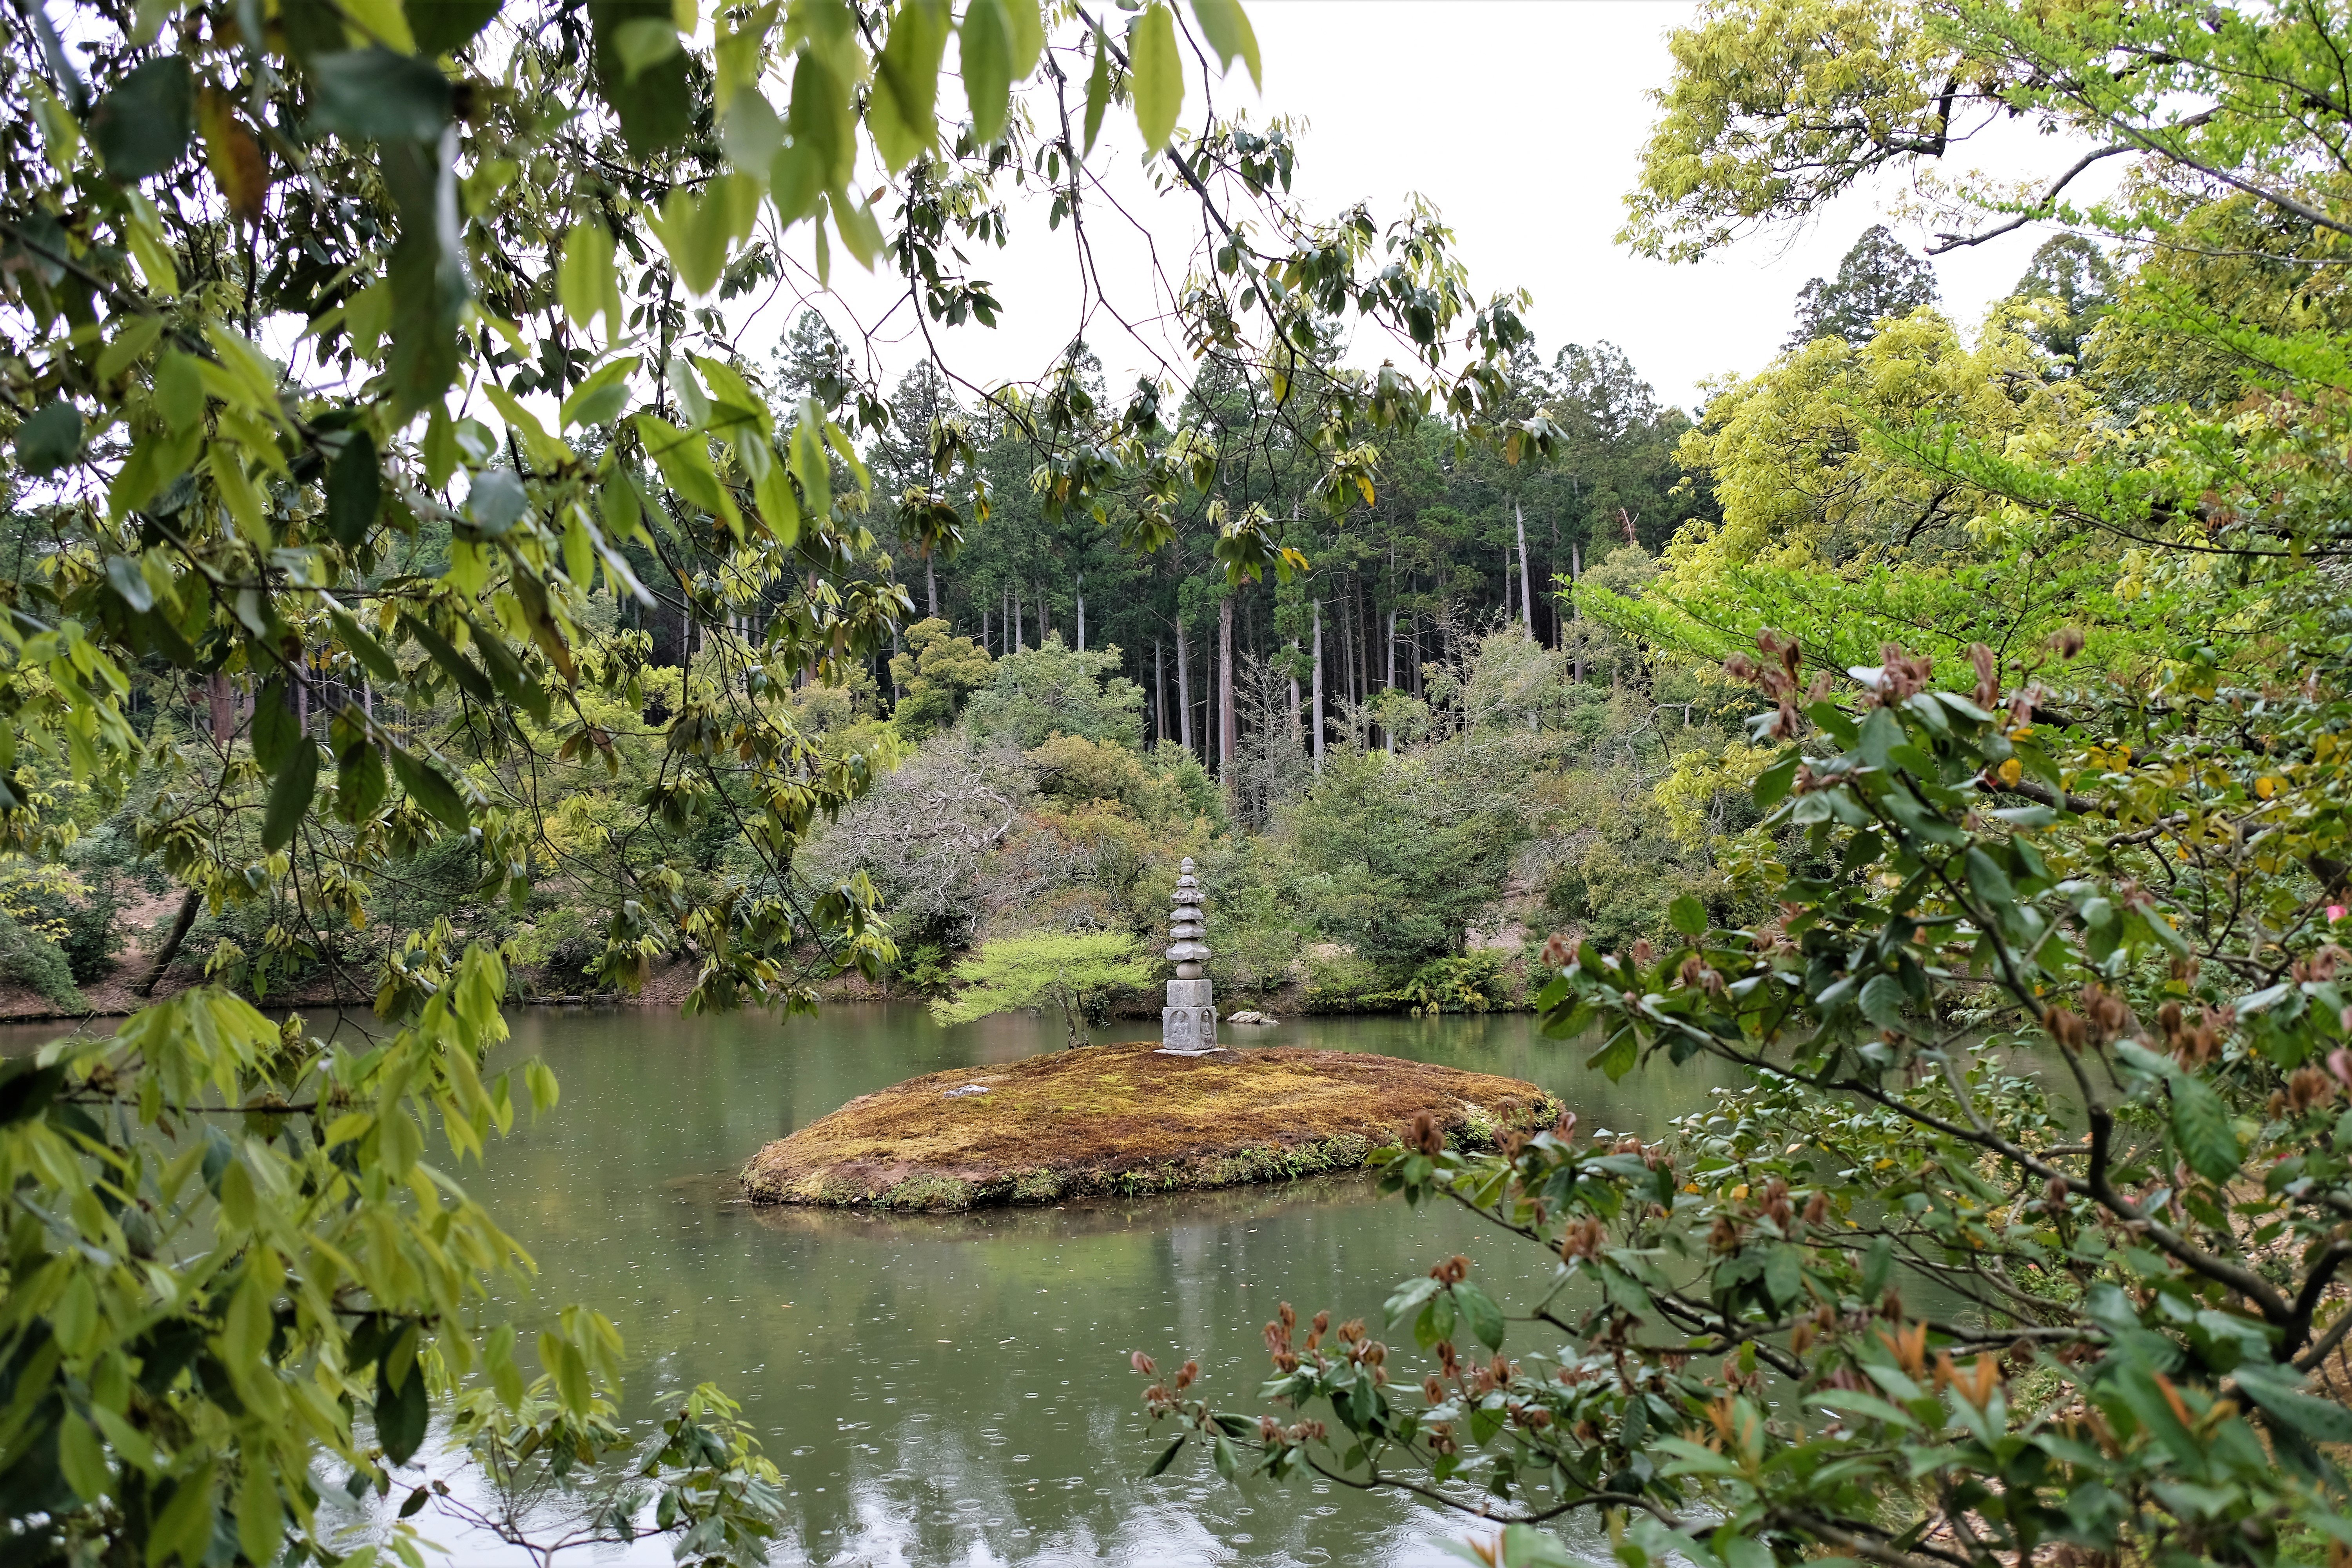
[1188,1025]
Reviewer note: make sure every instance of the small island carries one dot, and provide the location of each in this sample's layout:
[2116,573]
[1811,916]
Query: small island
[1126,1120]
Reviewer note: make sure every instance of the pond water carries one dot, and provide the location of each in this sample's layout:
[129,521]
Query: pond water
[954,1390]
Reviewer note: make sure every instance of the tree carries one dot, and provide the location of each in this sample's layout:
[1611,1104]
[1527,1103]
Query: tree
[2074,283]
[1055,689]
[935,677]
[368,378]
[1073,972]
[1877,278]
[2014,1240]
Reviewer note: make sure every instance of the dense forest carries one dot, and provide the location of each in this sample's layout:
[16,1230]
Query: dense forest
[416,594]
[1408,761]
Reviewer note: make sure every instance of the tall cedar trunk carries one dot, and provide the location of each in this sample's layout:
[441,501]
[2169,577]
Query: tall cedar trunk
[1319,686]
[1575,576]
[1082,612]
[1297,735]
[984,644]
[931,587]
[1045,618]
[1158,691]
[220,700]
[1018,644]
[1527,578]
[1390,684]
[1226,738]
[1183,685]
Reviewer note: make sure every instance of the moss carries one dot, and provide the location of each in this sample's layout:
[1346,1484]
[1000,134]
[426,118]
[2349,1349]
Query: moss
[1125,1121]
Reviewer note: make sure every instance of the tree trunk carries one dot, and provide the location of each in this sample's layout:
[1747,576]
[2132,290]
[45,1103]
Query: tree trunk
[1226,737]
[1390,684]
[983,628]
[1183,685]
[1297,735]
[1018,645]
[1527,578]
[1082,612]
[1575,575]
[220,702]
[1158,691]
[1319,686]
[931,587]
[189,903]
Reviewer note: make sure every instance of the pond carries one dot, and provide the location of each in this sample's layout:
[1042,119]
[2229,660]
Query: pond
[955,1389]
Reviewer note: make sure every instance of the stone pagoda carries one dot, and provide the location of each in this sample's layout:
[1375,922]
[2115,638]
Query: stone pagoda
[1188,1025]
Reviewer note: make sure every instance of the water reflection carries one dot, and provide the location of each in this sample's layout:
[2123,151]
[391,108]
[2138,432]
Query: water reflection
[954,1389]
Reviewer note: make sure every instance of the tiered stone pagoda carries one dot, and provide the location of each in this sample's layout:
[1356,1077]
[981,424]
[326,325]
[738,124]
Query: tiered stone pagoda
[1188,1025]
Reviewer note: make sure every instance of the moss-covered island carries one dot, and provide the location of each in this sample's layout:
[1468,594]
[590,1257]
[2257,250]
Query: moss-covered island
[1123,1119]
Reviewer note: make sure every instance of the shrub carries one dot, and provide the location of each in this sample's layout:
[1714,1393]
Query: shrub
[31,960]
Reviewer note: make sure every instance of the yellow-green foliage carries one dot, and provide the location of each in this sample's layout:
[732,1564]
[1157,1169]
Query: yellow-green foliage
[1802,483]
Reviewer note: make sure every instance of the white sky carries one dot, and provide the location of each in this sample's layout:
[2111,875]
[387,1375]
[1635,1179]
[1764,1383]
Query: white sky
[1522,121]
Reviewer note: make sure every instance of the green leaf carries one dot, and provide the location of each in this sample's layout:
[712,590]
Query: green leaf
[400,1411]
[655,106]
[377,95]
[824,137]
[984,46]
[50,438]
[1989,882]
[2278,1390]
[354,488]
[497,501]
[1158,74]
[684,458]
[645,42]
[429,790]
[1167,1457]
[2200,1126]
[1616,1057]
[427,274]
[1877,1267]
[1485,1318]
[586,283]
[441,28]
[1525,1546]
[1771,785]
[370,653]
[129,582]
[360,782]
[184,1526]
[901,114]
[1882,1002]
[1098,90]
[143,127]
[275,731]
[1228,31]
[1228,1460]
[1687,915]
[600,399]
[260,1513]
[81,1460]
[290,796]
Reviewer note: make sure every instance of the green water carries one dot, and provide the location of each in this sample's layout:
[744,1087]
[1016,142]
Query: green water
[954,1390]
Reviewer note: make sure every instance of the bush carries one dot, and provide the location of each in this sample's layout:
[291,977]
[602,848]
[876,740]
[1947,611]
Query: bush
[31,960]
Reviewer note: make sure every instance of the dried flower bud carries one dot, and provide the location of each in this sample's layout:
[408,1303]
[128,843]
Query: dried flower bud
[1141,1363]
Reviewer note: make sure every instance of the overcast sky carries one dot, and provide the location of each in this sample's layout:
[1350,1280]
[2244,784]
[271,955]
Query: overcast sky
[1522,120]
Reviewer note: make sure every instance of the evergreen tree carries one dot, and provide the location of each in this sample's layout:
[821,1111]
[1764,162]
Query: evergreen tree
[1878,278]
[2073,277]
